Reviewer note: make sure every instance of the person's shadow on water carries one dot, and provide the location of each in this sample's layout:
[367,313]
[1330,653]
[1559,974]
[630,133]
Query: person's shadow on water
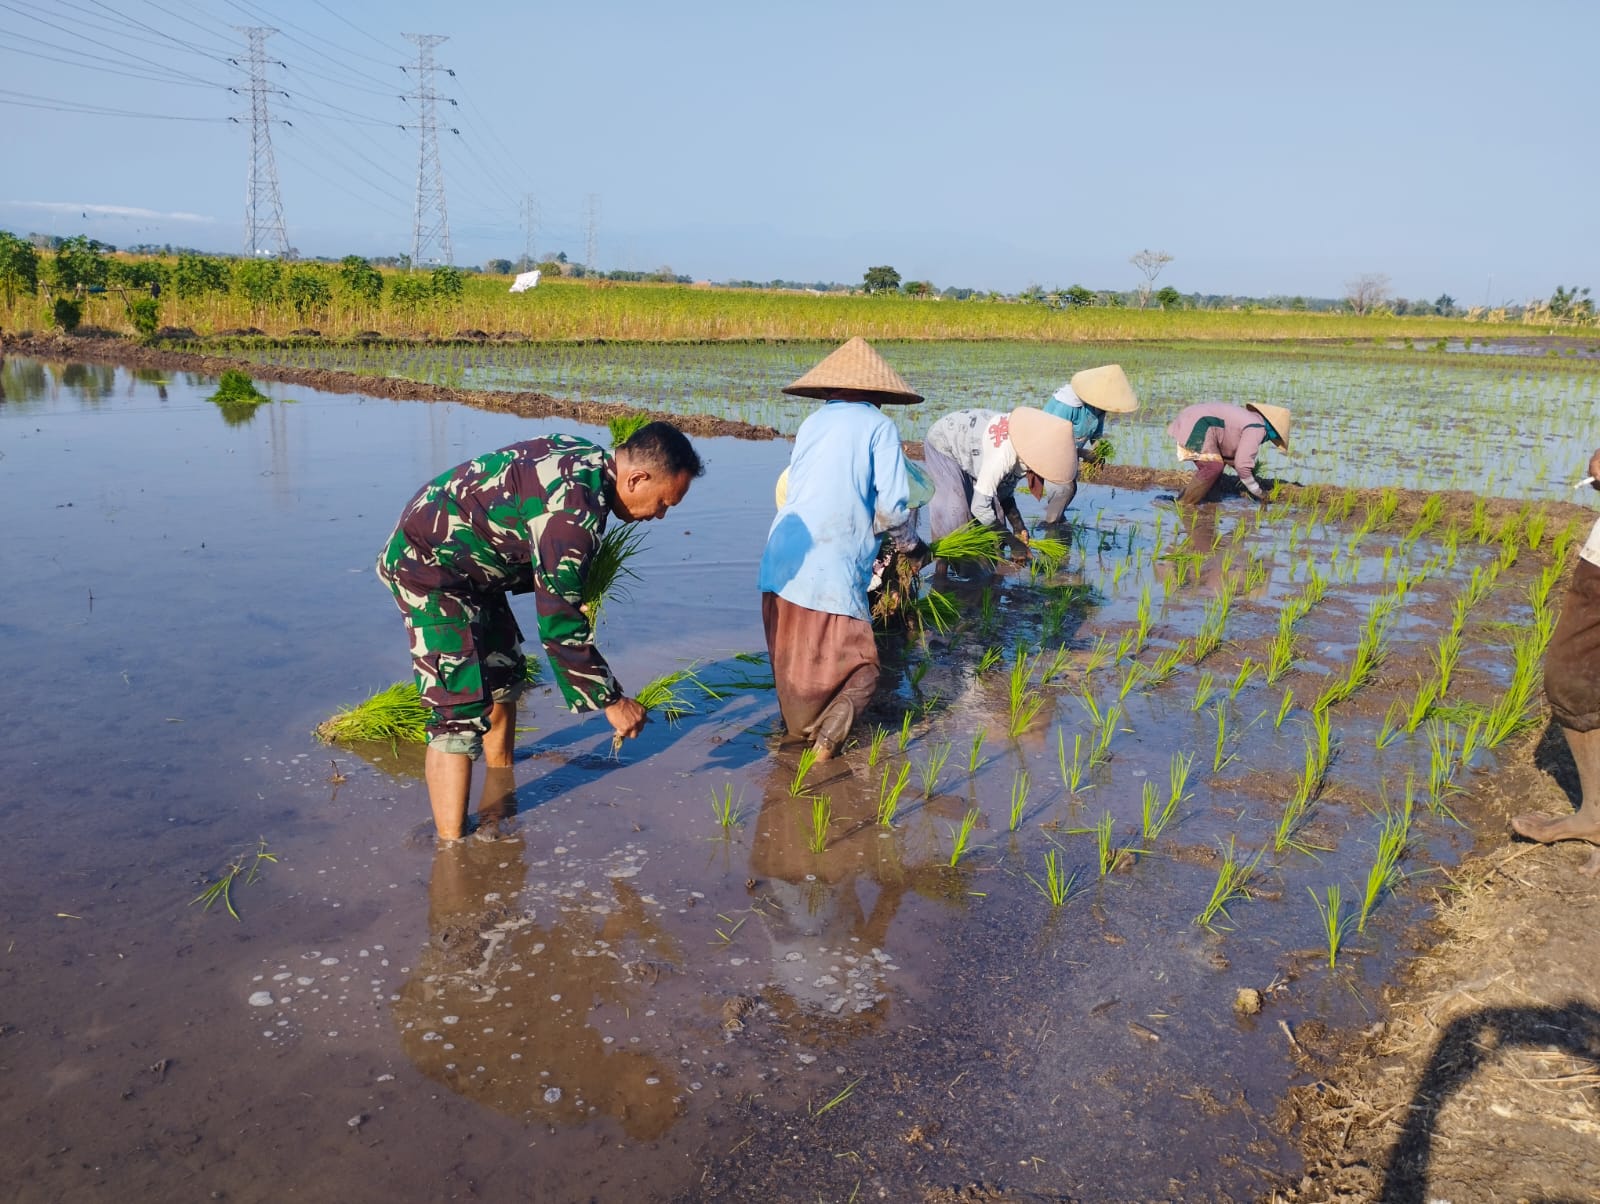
[1467,1044]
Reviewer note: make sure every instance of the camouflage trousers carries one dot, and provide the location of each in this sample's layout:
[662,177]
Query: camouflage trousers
[466,654]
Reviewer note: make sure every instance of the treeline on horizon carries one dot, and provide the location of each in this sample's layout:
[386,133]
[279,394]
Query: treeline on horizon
[186,293]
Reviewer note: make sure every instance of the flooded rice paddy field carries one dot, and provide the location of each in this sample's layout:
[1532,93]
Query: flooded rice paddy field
[620,997]
[1364,416]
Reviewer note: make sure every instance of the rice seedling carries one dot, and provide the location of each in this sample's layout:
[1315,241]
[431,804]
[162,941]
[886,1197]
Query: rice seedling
[1246,671]
[723,806]
[1143,619]
[1103,735]
[975,753]
[1134,674]
[937,610]
[989,658]
[1443,746]
[1056,666]
[1255,573]
[821,818]
[1384,872]
[918,672]
[1019,798]
[1203,690]
[1221,754]
[961,835]
[1098,656]
[1106,855]
[1393,724]
[988,617]
[971,543]
[1471,732]
[222,889]
[807,758]
[1280,656]
[889,796]
[875,745]
[1124,646]
[1233,882]
[836,1100]
[1427,692]
[1071,773]
[609,569]
[933,767]
[1284,707]
[1334,925]
[905,730]
[1178,778]
[1087,699]
[395,715]
[1165,665]
[1024,706]
[1057,884]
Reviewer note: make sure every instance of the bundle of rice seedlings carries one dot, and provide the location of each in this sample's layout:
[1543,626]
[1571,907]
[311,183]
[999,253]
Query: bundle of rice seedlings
[609,568]
[973,541]
[1049,554]
[236,388]
[666,695]
[625,428]
[394,714]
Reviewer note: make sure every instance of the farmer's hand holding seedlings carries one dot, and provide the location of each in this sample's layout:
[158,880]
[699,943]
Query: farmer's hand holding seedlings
[627,719]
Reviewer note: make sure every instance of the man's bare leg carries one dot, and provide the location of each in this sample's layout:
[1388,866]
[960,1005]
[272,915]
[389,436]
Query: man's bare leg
[449,777]
[1584,824]
[502,736]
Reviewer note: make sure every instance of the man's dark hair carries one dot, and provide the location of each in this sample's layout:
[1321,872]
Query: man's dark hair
[664,448]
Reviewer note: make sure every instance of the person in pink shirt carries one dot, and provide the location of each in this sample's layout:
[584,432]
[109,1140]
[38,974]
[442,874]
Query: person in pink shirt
[1216,435]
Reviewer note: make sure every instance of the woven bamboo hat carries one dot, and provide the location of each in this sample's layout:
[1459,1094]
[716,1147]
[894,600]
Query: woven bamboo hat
[1277,415]
[1045,444]
[1106,388]
[854,366]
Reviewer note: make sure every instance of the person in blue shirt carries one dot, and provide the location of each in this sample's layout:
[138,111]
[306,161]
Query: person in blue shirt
[847,487]
[1084,401]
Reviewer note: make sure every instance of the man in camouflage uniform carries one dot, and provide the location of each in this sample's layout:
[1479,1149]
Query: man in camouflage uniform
[525,518]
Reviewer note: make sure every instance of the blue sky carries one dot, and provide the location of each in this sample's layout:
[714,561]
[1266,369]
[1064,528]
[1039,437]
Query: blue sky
[1268,147]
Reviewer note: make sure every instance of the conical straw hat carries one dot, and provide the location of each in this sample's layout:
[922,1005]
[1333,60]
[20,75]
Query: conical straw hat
[1277,415]
[1046,444]
[1106,388]
[854,366]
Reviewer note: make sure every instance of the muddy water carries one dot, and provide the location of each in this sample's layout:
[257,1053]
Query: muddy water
[620,998]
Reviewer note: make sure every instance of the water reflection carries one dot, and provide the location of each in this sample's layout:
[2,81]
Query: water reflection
[827,914]
[523,999]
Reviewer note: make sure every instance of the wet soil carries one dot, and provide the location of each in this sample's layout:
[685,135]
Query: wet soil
[618,998]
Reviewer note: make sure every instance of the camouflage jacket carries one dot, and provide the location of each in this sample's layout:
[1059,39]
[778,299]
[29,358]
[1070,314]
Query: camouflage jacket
[526,517]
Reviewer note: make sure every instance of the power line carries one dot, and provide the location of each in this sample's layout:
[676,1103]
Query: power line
[71,106]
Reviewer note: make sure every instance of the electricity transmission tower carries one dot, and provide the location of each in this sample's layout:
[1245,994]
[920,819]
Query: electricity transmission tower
[530,228]
[591,238]
[263,206]
[430,233]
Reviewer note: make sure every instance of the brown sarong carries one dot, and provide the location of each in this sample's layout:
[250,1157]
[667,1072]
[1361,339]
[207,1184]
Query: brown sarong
[1572,661]
[817,659]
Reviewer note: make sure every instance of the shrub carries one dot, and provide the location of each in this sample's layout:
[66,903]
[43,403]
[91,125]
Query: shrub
[68,313]
[145,314]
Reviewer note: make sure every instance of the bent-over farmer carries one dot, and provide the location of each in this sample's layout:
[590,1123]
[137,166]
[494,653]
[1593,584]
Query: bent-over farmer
[1084,401]
[1217,434]
[1572,687]
[526,518]
[846,485]
[978,457]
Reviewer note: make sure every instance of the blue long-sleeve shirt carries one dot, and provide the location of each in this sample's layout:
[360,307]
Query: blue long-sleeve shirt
[847,472]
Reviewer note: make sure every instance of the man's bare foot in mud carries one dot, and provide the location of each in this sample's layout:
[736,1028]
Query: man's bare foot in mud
[1547,829]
